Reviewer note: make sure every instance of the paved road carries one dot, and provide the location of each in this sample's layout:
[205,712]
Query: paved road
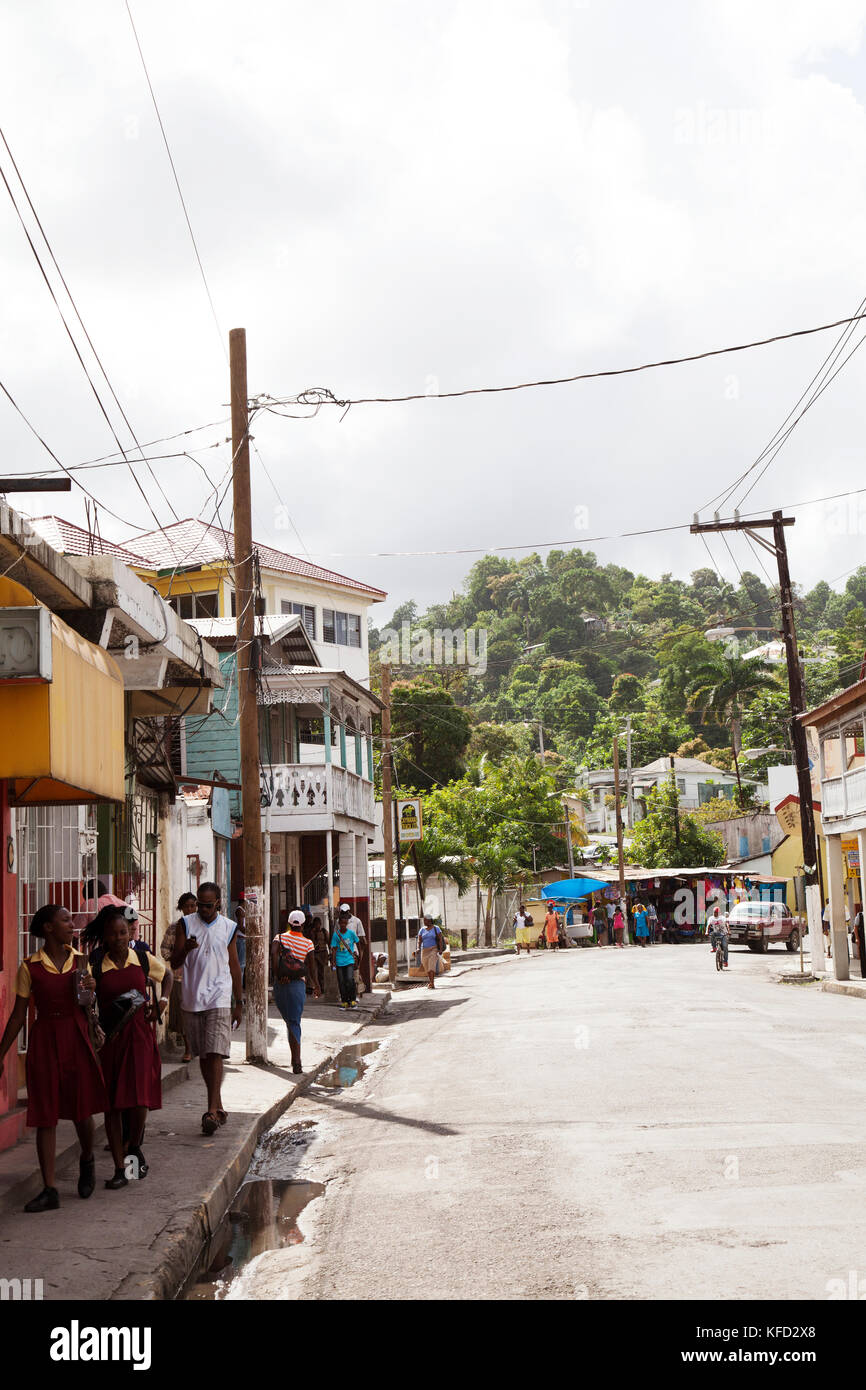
[603,1124]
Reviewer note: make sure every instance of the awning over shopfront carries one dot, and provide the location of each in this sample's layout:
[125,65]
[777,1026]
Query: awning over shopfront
[61,710]
[570,889]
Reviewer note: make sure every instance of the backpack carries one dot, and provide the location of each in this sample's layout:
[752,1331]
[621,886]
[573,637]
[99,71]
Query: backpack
[98,957]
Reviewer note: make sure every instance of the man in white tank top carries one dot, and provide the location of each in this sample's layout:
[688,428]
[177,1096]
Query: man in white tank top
[205,947]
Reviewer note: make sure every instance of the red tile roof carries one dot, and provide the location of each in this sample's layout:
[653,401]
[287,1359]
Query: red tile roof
[69,539]
[200,543]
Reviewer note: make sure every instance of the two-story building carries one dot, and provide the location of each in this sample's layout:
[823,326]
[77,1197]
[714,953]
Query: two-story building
[696,782]
[840,726]
[191,563]
[316,746]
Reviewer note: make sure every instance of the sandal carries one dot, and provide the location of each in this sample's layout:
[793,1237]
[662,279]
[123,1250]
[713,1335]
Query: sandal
[222,1116]
[187,1058]
[209,1122]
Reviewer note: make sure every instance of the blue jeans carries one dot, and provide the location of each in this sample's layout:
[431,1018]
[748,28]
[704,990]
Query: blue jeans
[290,997]
[719,938]
[346,983]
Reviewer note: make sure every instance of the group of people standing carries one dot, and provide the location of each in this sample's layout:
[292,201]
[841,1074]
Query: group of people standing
[92,1047]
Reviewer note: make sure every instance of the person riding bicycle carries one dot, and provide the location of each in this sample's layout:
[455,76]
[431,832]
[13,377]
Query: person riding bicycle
[719,934]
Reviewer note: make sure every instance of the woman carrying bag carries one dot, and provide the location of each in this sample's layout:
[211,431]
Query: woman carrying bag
[64,1079]
[291,958]
[431,944]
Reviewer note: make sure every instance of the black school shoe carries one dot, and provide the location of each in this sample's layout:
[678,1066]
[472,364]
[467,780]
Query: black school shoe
[86,1176]
[119,1180]
[48,1200]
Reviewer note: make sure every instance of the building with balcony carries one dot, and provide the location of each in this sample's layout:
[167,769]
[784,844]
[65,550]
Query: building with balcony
[315,736]
[839,724]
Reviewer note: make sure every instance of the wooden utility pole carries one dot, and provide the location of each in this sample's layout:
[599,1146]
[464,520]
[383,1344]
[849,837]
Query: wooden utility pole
[797,696]
[676,801]
[388,824]
[629,791]
[619,850]
[248,710]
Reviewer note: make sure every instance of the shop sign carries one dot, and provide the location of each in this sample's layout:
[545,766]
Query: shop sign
[25,644]
[409,825]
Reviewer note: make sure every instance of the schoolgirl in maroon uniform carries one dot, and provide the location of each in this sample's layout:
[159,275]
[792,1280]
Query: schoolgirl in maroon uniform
[64,1080]
[130,1058]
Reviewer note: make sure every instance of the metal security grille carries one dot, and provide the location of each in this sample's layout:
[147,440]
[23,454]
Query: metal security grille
[56,855]
[134,867]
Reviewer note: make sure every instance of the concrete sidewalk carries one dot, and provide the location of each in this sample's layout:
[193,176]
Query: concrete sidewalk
[143,1241]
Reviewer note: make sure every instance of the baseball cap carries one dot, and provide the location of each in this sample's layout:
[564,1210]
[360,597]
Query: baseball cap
[344,907]
[296,918]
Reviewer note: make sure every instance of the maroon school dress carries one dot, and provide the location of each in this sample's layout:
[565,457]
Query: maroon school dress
[130,1059]
[64,1081]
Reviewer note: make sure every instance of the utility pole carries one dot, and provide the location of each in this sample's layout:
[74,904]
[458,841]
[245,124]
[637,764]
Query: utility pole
[797,696]
[388,824]
[628,786]
[568,841]
[676,802]
[248,711]
[619,850]
[541,739]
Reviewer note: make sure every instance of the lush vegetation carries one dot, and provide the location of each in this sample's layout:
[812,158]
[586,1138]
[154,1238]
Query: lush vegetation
[572,647]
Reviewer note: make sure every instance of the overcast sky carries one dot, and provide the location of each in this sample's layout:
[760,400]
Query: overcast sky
[395,198]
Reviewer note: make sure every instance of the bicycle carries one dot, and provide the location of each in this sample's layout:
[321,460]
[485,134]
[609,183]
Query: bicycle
[717,950]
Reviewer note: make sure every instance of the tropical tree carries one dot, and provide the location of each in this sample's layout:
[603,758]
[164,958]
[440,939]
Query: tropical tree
[431,733]
[441,852]
[667,838]
[723,688]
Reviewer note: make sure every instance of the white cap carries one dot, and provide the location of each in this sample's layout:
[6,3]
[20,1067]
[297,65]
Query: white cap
[345,907]
[296,918]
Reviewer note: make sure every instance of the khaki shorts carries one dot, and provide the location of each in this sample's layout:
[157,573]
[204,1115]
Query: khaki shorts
[208,1033]
[430,959]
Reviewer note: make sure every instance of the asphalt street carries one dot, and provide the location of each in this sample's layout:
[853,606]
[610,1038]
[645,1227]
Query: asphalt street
[594,1124]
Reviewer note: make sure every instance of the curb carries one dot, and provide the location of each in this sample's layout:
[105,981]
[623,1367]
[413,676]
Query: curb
[178,1246]
[855,989]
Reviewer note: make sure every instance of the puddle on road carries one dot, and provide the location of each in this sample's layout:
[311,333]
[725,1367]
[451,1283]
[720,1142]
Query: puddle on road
[348,1066]
[263,1216]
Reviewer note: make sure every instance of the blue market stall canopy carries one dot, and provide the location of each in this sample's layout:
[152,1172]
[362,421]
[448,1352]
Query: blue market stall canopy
[573,888]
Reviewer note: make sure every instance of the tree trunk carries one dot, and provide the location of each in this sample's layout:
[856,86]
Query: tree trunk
[488,915]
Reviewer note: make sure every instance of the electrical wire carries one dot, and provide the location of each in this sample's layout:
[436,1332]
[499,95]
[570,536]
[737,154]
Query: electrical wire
[317,396]
[176,180]
[776,441]
[81,322]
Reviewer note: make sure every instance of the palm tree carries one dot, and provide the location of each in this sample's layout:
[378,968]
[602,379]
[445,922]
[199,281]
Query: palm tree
[722,688]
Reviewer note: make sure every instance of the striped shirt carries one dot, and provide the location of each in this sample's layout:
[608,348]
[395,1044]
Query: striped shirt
[296,945]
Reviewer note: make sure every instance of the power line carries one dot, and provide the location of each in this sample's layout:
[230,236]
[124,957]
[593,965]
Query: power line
[778,438]
[317,396]
[66,325]
[176,180]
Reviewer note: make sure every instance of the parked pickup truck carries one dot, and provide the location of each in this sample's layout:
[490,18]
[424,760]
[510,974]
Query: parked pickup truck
[760,925]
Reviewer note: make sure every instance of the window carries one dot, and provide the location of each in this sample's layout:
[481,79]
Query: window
[342,629]
[311,730]
[194,605]
[681,786]
[260,607]
[305,611]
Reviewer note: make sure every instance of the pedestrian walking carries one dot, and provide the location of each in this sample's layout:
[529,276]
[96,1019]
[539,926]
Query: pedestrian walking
[347,918]
[857,927]
[64,1080]
[292,957]
[641,924]
[131,1065]
[344,953]
[653,918]
[551,928]
[241,937]
[522,937]
[319,958]
[174,1022]
[431,943]
[205,947]
[618,927]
